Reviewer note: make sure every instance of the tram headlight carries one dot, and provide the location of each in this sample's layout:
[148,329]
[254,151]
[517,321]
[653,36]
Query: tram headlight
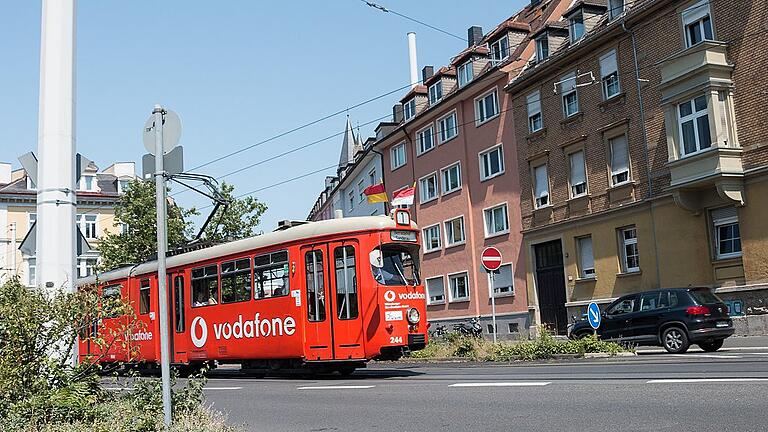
[413,316]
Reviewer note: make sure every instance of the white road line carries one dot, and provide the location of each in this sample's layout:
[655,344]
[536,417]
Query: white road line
[716,356]
[705,380]
[502,384]
[348,387]
[724,350]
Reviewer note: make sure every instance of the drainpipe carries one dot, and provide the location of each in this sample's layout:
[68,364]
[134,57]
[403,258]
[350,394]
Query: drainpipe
[381,155]
[645,148]
[13,249]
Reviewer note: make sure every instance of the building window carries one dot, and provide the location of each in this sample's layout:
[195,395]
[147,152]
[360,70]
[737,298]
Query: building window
[87,183]
[535,120]
[426,139]
[87,224]
[398,156]
[435,92]
[459,285]
[360,189]
[697,23]
[569,94]
[372,177]
[630,258]
[586,257]
[454,232]
[609,75]
[30,183]
[727,239]
[32,271]
[465,73]
[122,185]
[124,228]
[578,176]
[542,48]
[503,283]
[236,281]
[409,109]
[496,220]
[615,8]
[491,163]
[541,186]
[448,127]
[428,188]
[351,195]
[86,266]
[619,160]
[431,238]
[270,271]
[486,107]
[435,290]
[451,178]
[576,24]
[500,50]
[694,125]
[31,219]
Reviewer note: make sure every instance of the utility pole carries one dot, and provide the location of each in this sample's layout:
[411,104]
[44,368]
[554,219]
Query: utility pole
[56,196]
[162,245]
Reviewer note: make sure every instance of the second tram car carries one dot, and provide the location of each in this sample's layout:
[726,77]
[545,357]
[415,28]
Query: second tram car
[327,295]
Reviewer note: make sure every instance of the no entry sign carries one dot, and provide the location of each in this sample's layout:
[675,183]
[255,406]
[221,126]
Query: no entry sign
[491,258]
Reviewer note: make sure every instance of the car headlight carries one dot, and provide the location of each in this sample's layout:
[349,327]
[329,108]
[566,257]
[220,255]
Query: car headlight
[413,316]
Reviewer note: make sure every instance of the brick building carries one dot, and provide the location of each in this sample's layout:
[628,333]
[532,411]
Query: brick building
[642,154]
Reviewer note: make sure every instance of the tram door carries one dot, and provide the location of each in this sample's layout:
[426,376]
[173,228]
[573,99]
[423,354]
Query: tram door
[344,269]
[318,333]
[177,326]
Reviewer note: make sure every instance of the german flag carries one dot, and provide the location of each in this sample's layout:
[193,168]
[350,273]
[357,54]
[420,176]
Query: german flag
[376,193]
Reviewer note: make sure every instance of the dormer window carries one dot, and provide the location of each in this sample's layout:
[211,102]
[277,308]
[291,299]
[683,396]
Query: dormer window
[122,185]
[615,8]
[500,50]
[30,183]
[409,109]
[435,92]
[542,48]
[576,24]
[465,73]
[697,22]
[87,183]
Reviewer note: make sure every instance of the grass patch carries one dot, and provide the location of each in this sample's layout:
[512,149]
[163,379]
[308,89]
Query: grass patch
[544,346]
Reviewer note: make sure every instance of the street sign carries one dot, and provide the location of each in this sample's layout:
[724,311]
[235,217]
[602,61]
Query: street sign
[171,132]
[173,163]
[593,315]
[491,259]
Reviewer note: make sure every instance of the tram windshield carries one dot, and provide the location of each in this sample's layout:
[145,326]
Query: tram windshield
[395,264]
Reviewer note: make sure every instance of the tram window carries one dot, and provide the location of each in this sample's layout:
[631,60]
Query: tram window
[144,297]
[346,282]
[236,281]
[315,286]
[395,265]
[271,274]
[178,296]
[205,286]
[111,296]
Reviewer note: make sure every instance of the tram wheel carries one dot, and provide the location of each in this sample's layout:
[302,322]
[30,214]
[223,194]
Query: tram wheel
[347,371]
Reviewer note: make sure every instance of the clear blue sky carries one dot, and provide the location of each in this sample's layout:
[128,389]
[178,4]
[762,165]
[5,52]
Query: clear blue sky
[237,72]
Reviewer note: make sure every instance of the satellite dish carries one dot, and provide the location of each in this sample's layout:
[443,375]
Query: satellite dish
[171,132]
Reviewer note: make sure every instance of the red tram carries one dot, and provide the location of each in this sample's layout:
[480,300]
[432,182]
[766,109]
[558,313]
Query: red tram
[327,295]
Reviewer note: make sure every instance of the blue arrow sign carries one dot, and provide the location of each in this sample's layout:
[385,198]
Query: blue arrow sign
[593,315]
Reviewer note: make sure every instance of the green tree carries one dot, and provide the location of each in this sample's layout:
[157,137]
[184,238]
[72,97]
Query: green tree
[136,209]
[240,219]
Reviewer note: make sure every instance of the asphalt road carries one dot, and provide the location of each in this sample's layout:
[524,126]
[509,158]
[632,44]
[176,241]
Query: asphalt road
[697,391]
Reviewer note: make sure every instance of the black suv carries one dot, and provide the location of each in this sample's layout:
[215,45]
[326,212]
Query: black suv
[672,318]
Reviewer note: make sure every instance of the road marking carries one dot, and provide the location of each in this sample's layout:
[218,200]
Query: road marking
[724,350]
[348,387]
[204,388]
[715,356]
[502,384]
[704,380]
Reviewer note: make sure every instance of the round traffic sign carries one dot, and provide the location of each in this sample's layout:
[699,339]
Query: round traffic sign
[491,258]
[593,315]
[171,132]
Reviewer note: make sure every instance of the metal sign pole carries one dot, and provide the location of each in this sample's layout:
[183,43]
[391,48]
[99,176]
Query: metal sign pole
[162,244]
[493,306]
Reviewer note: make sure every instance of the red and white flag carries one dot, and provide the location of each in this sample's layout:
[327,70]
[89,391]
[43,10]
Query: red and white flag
[404,196]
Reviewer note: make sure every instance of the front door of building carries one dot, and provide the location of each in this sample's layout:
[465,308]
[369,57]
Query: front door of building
[550,285]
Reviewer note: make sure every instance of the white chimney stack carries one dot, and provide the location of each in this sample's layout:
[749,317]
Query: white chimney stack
[338,214]
[414,67]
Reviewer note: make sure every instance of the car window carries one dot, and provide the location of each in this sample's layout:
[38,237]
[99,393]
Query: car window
[651,301]
[622,307]
[704,296]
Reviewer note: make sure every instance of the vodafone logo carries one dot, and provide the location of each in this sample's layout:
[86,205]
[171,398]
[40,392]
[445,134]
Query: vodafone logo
[199,341]
[389,296]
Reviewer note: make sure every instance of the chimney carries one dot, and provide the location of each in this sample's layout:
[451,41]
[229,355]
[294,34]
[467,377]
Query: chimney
[427,72]
[414,67]
[338,214]
[474,35]
[397,113]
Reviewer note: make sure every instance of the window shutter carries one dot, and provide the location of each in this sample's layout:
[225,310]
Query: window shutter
[696,12]
[585,253]
[541,181]
[534,103]
[504,277]
[608,64]
[724,214]
[619,159]
[577,168]
[568,83]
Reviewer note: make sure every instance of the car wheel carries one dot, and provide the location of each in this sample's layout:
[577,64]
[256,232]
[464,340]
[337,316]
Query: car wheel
[582,335]
[711,346]
[675,340]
